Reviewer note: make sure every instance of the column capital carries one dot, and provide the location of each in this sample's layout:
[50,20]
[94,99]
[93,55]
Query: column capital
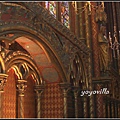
[21,85]
[65,86]
[76,90]
[39,88]
[3,80]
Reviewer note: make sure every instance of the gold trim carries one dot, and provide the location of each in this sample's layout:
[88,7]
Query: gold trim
[2,64]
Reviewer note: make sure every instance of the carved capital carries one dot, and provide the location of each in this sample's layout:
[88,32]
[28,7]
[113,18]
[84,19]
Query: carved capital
[65,87]
[39,89]
[76,90]
[3,80]
[21,87]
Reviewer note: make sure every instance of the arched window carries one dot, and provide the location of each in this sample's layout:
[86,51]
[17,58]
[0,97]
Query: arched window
[65,14]
[51,6]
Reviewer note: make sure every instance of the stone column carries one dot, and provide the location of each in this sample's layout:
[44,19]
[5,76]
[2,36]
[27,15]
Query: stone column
[81,24]
[76,91]
[21,89]
[112,108]
[115,104]
[39,90]
[108,106]
[85,106]
[88,36]
[104,108]
[3,80]
[118,110]
[99,101]
[65,88]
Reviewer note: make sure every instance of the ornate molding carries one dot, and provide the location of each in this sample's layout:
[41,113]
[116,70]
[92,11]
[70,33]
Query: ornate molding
[3,80]
[34,17]
[41,11]
[19,58]
[39,89]
[2,64]
[21,87]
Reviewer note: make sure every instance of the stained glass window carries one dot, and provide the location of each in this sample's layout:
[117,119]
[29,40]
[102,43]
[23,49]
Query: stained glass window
[51,6]
[65,14]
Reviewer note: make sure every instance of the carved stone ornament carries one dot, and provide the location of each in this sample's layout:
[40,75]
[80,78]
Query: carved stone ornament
[3,80]
[39,88]
[21,87]
[100,16]
[33,17]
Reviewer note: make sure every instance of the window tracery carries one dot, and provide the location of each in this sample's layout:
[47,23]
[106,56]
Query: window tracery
[65,14]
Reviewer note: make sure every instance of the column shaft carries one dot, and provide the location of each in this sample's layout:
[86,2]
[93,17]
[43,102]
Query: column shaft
[3,80]
[76,107]
[65,104]
[65,88]
[0,105]
[39,90]
[21,101]
[21,89]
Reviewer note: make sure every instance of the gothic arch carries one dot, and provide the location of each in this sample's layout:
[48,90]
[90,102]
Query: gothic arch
[2,65]
[16,59]
[22,30]
[79,71]
[33,20]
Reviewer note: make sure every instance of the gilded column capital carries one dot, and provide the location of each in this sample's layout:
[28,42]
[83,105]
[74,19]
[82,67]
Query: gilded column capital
[21,87]
[3,80]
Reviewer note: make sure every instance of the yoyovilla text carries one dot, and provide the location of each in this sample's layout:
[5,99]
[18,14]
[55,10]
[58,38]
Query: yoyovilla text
[89,93]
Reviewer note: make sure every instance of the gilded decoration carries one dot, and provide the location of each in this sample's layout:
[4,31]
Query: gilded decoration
[100,16]
[3,80]
[32,16]
[101,19]
[103,50]
[17,60]
[21,87]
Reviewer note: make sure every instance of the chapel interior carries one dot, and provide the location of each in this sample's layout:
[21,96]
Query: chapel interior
[59,59]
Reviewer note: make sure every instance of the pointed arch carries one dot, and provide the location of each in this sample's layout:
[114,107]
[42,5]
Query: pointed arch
[22,59]
[2,65]
[17,72]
